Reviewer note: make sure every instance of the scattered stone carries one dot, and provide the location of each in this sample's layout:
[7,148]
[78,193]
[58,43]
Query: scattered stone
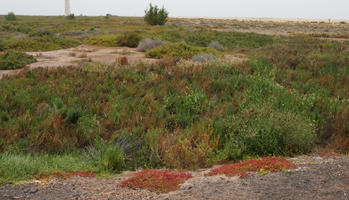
[33,191]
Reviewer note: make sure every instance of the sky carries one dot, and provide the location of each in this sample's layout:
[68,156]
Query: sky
[293,9]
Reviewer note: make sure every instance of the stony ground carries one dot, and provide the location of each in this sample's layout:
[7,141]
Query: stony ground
[315,178]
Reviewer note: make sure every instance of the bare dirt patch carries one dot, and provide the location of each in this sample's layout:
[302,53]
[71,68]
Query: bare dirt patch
[78,55]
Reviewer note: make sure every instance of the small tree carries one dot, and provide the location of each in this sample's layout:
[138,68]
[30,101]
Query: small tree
[155,15]
[11,16]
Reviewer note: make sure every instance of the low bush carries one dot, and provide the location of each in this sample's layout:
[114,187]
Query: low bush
[155,15]
[129,40]
[194,148]
[70,16]
[15,60]
[114,158]
[203,58]
[104,40]
[124,152]
[231,40]
[16,27]
[216,45]
[107,16]
[270,133]
[159,181]
[2,46]
[148,44]
[11,16]
[41,33]
[178,50]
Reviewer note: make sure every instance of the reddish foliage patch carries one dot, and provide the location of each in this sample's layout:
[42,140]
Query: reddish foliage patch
[63,175]
[84,174]
[267,164]
[159,181]
[243,175]
[59,175]
[330,154]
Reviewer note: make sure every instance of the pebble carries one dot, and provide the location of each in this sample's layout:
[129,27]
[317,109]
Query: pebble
[318,158]
[33,191]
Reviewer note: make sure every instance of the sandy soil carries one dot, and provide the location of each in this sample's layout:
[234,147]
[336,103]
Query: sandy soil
[266,19]
[267,26]
[315,178]
[78,55]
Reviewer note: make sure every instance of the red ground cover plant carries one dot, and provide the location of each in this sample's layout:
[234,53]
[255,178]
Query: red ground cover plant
[330,154]
[267,164]
[64,175]
[84,174]
[159,181]
[59,175]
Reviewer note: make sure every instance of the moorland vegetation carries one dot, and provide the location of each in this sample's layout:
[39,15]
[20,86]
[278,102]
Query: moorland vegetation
[289,96]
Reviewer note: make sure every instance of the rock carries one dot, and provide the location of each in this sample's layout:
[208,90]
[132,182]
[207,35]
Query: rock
[33,191]
[74,196]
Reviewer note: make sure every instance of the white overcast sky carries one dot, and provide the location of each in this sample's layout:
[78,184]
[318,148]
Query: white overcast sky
[310,9]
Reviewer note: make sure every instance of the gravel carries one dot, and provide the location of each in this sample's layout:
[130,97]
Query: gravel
[315,178]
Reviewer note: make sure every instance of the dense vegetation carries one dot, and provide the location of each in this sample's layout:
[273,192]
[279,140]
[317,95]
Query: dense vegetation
[178,50]
[15,60]
[291,95]
[51,33]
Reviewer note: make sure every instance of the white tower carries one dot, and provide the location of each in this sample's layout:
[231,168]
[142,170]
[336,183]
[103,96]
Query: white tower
[67,7]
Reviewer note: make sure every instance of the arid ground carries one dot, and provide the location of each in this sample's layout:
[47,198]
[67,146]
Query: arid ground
[314,178]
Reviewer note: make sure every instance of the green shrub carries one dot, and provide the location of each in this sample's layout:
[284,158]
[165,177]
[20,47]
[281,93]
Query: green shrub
[148,44]
[186,108]
[277,134]
[114,158]
[134,149]
[107,16]
[15,60]
[2,46]
[179,50]
[40,33]
[112,155]
[73,115]
[11,16]
[155,15]
[71,17]
[16,27]
[104,40]
[129,40]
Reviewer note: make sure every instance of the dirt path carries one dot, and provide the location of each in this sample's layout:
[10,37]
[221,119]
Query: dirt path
[315,178]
